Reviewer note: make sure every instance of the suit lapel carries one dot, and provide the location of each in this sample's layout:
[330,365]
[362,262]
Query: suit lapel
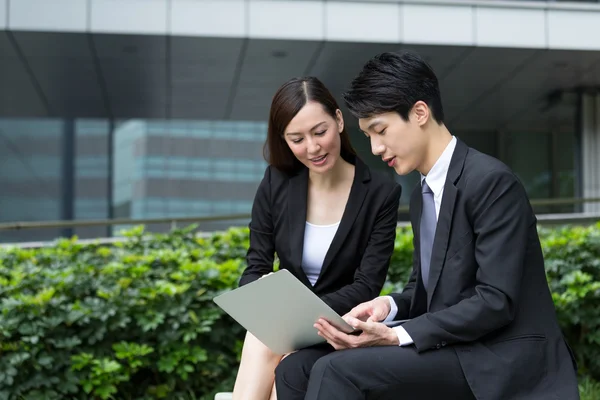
[358,192]
[297,204]
[416,206]
[442,232]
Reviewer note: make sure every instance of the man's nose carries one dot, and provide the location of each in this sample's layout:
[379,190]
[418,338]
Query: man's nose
[377,147]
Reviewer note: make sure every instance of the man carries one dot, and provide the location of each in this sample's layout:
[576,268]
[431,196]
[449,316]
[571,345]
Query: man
[481,321]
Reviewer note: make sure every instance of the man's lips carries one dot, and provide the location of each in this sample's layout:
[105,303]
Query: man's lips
[390,161]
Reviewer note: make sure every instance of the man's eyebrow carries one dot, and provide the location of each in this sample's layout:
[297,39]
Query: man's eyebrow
[373,124]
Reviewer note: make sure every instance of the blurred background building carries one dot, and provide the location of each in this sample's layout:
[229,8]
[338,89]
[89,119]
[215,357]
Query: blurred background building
[157,108]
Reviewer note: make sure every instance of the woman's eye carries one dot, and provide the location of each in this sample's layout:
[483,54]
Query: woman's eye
[297,140]
[320,133]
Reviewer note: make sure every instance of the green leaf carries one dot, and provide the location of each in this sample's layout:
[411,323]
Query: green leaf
[88,387]
[45,360]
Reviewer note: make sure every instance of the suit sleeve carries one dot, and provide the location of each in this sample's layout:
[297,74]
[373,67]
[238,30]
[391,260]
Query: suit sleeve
[371,273]
[260,254]
[502,219]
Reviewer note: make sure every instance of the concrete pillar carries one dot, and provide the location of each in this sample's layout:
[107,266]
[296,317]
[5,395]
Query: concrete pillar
[590,150]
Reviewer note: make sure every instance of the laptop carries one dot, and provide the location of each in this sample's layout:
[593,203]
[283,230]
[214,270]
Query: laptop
[280,311]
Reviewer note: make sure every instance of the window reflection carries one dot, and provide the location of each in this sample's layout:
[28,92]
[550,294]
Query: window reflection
[182,168]
[186,168]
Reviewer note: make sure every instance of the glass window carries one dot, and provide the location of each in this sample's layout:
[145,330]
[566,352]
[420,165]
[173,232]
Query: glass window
[196,168]
[30,175]
[54,169]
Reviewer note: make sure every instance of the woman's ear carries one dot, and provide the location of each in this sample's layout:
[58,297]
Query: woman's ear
[340,120]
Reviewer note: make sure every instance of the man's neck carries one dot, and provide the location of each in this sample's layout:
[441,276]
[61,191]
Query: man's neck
[439,138]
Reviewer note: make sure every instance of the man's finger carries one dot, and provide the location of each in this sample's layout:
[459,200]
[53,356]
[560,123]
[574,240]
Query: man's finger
[329,329]
[367,326]
[331,333]
[331,340]
[361,312]
[375,318]
[324,332]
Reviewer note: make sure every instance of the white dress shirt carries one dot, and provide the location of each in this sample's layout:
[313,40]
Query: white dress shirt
[436,179]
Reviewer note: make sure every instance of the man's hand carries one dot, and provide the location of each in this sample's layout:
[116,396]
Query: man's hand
[375,310]
[373,334]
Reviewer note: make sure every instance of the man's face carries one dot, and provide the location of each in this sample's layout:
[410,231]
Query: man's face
[401,144]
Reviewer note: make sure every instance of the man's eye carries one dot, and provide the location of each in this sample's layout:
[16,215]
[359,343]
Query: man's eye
[382,132]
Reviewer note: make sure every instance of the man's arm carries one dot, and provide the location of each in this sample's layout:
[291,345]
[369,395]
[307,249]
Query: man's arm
[502,221]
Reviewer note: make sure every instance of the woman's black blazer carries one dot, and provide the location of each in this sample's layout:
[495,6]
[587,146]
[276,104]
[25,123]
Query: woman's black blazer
[356,264]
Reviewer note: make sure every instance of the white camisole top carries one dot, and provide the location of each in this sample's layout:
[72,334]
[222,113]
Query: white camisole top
[317,240]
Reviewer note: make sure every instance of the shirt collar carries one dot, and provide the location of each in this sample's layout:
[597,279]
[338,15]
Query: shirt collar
[436,179]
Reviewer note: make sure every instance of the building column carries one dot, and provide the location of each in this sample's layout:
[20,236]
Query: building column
[590,150]
[68,175]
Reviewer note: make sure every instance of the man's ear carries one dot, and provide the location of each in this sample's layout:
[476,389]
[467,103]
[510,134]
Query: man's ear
[421,112]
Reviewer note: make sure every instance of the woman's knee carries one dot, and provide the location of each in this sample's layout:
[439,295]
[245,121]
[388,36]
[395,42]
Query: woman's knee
[252,344]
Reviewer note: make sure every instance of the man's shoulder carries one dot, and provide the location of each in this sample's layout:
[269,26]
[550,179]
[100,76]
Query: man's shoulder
[479,165]
[482,172]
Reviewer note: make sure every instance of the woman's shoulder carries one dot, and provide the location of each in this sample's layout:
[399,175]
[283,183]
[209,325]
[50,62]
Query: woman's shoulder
[275,176]
[383,188]
[274,181]
[380,179]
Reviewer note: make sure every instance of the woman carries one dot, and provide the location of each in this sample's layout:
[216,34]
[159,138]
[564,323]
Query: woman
[330,219]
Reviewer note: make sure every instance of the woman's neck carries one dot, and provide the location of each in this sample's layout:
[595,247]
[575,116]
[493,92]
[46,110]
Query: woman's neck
[340,173]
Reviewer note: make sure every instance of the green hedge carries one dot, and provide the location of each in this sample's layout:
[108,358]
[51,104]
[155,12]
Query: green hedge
[135,320]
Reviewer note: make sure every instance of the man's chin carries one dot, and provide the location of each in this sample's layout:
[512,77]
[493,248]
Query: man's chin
[401,169]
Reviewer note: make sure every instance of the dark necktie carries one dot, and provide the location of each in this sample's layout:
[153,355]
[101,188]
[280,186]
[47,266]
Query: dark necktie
[428,225]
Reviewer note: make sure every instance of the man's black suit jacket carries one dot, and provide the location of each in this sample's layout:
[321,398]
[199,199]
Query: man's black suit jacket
[356,264]
[488,296]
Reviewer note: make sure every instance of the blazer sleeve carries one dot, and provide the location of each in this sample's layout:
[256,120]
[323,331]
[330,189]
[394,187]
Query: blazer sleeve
[260,254]
[502,221]
[371,273]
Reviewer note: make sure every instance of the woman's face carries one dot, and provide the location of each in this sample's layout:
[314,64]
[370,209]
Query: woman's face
[314,137]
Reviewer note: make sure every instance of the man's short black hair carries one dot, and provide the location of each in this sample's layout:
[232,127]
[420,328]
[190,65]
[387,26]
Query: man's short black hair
[394,82]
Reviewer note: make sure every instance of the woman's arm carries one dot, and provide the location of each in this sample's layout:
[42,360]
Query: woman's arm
[372,271]
[261,251]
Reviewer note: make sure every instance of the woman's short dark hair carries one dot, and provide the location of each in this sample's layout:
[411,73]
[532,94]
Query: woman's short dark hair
[287,102]
[394,82]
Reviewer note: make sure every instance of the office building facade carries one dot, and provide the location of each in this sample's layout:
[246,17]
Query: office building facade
[158,108]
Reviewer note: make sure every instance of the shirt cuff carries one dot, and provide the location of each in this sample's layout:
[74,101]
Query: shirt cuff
[403,336]
[393,309]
